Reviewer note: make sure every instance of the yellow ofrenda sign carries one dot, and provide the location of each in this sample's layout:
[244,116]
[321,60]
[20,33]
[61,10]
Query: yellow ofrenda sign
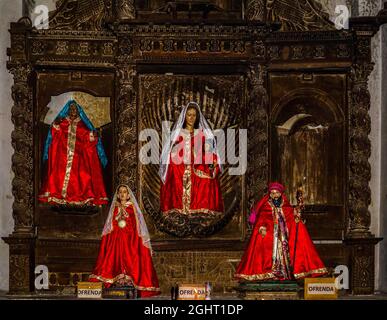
[89,290]
[192,292]
[320,289]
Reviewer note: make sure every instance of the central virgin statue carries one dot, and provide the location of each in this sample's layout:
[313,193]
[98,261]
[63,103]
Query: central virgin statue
[190,167]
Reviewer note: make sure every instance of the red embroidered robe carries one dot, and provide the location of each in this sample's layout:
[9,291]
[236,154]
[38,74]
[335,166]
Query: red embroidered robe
[74,171]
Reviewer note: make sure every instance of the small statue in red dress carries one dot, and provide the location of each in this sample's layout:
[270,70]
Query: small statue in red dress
[125,254]
[280,247]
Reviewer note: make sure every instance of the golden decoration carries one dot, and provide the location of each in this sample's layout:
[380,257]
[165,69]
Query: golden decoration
[97,109]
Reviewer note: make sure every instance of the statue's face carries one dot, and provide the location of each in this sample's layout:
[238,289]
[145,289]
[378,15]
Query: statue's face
[73,112]
[123,194]
[190,117]
[275,194]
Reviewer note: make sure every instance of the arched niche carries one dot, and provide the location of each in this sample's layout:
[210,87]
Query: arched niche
[98,109]
[308,148]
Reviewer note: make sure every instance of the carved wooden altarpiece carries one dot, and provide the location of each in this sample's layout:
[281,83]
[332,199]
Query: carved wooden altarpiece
[298,85]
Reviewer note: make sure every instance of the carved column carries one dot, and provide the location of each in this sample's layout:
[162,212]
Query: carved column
[21,241]
[359,238]
[360,151]
[257,124]
[126,116]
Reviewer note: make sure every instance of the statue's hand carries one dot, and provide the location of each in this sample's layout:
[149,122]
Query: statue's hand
[297,214]
[262,231]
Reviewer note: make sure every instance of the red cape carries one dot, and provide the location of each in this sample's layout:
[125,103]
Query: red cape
[256,263]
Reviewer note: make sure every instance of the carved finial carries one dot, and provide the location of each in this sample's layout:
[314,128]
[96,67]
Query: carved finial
[126,10]
[255,10]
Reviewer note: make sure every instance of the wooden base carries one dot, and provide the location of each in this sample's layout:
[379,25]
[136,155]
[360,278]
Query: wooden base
[120,293]
[269,290]
[269,295]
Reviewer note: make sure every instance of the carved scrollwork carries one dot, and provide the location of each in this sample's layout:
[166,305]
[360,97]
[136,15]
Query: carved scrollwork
[126,126]
[125,49]
[362,254]
[197,267]
[20,263]
[360,151]
[255,10]
[126,10]
[19,270]
[304,15]
[89,15]
[258,134]
[22,142]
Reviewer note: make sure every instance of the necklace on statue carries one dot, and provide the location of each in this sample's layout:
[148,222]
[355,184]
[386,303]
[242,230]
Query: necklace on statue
[121,217]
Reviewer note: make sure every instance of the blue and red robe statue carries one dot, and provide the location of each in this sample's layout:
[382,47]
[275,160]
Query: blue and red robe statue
[75,157]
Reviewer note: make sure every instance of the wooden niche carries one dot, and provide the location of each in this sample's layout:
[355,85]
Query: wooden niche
[308,146]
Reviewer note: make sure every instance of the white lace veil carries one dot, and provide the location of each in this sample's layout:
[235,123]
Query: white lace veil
[167,147]
[142,229]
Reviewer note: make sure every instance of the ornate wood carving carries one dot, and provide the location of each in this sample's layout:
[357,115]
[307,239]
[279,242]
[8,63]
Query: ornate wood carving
[22,136]
[220,98]
[126,10]
[63,47]
[362,264]
[81,15]
[306,15]
[255,10]
[257,124]
[218,267]
[21,264]
[126,126]
[360,150]
[312,47]
[22,142]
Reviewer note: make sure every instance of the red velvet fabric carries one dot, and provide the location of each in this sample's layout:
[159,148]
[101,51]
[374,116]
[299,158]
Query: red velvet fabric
[201,182]
[122,254]
[256,263]
[85,182]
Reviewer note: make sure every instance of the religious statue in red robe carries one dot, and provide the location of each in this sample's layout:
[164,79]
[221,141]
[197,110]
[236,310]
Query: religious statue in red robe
[278,249]
[125,253]
[190,167]
[75,157]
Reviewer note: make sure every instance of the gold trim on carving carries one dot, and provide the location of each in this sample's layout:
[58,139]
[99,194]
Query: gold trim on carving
[194,211]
